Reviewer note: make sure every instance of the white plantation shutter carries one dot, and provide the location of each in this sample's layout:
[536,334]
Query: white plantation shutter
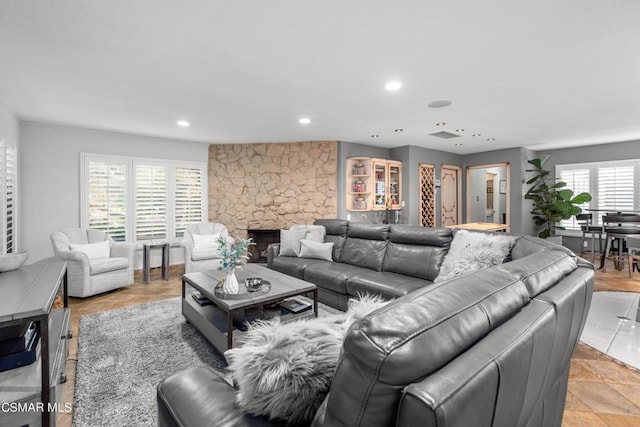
[616,187]
[10,174]
[188,197]
[578,181]
[136,199]
[106,184]
[151,184]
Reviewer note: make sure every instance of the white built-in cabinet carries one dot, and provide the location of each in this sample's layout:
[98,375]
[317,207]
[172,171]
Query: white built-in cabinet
[373,184]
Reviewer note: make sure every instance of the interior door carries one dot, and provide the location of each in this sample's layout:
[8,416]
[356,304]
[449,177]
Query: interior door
[450,196]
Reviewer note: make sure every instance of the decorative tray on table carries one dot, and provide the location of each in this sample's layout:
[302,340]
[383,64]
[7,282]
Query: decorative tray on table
[244,290]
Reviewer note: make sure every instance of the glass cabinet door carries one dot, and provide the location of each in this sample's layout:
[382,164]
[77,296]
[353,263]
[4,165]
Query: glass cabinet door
[380,185]
[394,185]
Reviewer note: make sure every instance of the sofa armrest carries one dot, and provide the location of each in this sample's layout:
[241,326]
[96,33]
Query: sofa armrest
[273,250]
[197,397]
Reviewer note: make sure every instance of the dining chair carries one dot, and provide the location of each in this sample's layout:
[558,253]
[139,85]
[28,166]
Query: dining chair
[618,228]
[633,246]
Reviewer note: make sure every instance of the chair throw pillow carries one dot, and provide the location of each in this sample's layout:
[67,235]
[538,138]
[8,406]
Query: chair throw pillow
[314,232]
[205,241]
[311,249]
[284,370]
[92,250]
[471,251]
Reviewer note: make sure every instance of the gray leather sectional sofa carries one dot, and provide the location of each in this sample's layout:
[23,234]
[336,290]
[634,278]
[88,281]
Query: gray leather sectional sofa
[390,261]
[490,348]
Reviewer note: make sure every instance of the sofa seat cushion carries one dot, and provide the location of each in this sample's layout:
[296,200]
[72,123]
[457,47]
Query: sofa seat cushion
[387,285]
[204,253]
[104,265]
[197,396]
[332,276]
[295,266]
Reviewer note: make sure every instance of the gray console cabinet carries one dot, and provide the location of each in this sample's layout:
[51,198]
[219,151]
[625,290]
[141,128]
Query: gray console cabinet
[32,393]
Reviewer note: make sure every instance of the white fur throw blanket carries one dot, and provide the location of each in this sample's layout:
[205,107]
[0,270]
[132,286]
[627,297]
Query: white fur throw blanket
[471,251]
[284,370]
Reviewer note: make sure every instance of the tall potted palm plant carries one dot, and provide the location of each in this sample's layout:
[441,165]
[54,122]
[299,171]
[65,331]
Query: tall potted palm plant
[552,202]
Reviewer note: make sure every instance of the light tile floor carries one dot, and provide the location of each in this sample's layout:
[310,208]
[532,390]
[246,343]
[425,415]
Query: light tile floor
[612,328]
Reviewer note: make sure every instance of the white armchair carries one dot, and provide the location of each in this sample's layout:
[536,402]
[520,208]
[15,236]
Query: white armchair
[200,249]
[95,262]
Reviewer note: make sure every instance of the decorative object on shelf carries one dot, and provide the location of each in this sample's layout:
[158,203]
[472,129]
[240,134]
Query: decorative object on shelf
[358,169]
[13,261]
[551,201]
[232,257]
[359,186]
[359,203]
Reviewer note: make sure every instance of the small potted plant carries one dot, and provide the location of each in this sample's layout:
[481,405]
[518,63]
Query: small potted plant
[232,256]
[552,202]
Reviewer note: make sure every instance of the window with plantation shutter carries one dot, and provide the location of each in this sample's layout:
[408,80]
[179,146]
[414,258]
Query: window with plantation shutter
[614,186]
[106,186]
[135,199]
[10,174]
[578,181]
[151,201]
[189,197]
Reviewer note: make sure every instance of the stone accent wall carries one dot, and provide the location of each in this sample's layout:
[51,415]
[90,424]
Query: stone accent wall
[272,186]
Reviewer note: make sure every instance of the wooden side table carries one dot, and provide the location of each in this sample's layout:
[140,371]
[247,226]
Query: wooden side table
[146,260]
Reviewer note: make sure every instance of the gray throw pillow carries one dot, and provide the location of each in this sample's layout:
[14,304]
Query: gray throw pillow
[311,249]
[313,232]
[471,251]
[290,241]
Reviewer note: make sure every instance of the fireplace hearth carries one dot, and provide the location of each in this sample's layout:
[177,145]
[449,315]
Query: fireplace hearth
[262,238]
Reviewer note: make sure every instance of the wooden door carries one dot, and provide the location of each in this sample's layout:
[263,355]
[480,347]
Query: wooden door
[450,197]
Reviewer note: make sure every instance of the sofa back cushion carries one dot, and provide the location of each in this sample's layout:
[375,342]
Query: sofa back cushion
[336,234]
[411,338]
[416,251]
[365,245]
[542,269]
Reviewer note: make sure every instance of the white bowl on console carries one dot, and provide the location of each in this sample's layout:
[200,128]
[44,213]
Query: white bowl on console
[13,261]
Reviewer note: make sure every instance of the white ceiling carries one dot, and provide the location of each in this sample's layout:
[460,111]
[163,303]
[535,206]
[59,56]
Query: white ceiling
[540,74]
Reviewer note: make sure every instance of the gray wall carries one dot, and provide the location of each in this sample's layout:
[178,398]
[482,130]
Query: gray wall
[49,160]
[411,183]
[520,217]
[592,153]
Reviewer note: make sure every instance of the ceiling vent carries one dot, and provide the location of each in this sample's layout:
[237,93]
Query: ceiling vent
[445,135]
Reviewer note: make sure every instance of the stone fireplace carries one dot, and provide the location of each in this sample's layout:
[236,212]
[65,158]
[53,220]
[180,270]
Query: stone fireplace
[272,186]
[262,238]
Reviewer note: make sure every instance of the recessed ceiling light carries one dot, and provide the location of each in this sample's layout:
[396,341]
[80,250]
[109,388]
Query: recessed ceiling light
[459,130]
[439,104]
[183,123]
[393,85]
[458,144]
[476,134]
[304,121]
[491,139]
[375,136]
[440,124]
[398,130]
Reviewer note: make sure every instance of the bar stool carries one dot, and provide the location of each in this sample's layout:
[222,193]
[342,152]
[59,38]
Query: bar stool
[587,227]
[619,227]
